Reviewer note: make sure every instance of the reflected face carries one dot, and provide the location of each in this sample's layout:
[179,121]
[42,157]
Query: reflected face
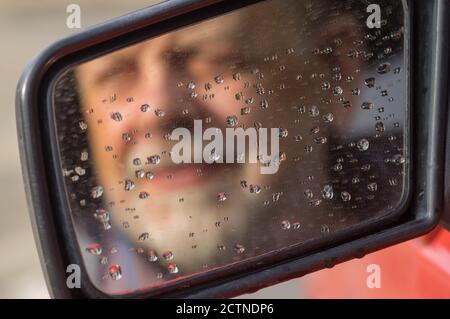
[332,88]
[145,92]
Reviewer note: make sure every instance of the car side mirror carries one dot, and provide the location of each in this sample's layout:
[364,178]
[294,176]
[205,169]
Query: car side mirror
[213,148]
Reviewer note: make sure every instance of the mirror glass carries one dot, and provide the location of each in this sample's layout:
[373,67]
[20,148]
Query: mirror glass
[271,127]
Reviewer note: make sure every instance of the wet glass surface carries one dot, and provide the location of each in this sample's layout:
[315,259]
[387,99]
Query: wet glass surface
[335,90]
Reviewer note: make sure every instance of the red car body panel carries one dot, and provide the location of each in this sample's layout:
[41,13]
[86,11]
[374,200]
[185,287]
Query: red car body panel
[418,268]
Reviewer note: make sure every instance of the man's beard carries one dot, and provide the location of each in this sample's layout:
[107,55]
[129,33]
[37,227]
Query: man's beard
[193,221]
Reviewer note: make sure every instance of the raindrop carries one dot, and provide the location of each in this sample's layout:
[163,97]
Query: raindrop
[115,272]
[314,111]
[219,79]
[94,249]
[222,196]
[137,161]
[379,127]
[140,173]
[191,85]
[324,228]
[172,268]
[80,171]
[372,187]
[239,248]
[370,82]
[384,68]
[232,121]
[154,159]
[367,106]
[83,125]
[103,217]
[325,85]
[285,225]
[346,196]
[143,236]
[327,192]
[152,256]
[363,145]
[264,104]
[97,191]
[328,118]
[338,91]
[144,195]
[129,185]
[255,189]
[159,113]
[145,108]
[116,116]
[167,255]
[282,132]
[308,194]
[398,159]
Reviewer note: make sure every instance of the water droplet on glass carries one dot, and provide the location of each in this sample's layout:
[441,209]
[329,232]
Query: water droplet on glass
[167,255]
[328,118]
[94,249]
[314,111]
[338,91]
[221,197]
[255,189]
[363,145]
[367,106]
[372,187]
[282,132]
[379,127]
[154,159]
[325,85]
[172,268]
[285,225]
[115,271]
[264,104]
[144,195]
[159,113]
[143,236]
[152,256]
[346,196]
[83,125]
[97,191]
[129,185]
[327,192]
[219,79]
[232,121]
[145,108]
[296,225]
[116,116]
[384,68]
[370,82]
[239,248]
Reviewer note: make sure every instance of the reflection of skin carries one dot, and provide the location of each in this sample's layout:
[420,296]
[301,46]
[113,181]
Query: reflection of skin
[147,74]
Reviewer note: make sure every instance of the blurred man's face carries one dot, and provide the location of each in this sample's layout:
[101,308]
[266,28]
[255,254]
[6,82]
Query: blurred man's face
[132,101]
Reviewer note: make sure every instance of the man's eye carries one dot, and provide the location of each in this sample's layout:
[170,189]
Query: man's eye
[116,71]
[179,58]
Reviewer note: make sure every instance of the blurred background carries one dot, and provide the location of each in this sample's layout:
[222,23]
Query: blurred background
[27,27]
